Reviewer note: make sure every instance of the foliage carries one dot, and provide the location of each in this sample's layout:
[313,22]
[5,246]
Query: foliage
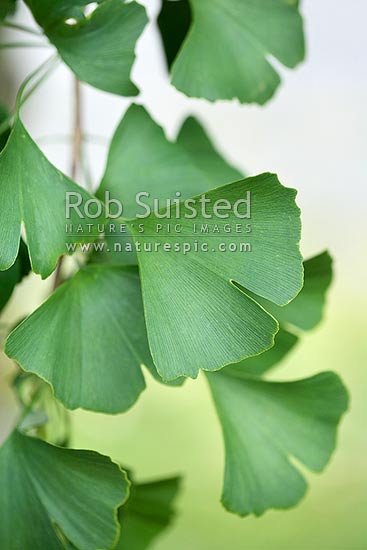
[234,314]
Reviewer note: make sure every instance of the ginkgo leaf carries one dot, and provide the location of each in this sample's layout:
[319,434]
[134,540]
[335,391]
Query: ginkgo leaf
[142,159]
[46,489]
[147,513]
[266,425]
[91,340]
[225,53]
[196,317]
[10,278]
[33,191]
[99,48]
[304,312]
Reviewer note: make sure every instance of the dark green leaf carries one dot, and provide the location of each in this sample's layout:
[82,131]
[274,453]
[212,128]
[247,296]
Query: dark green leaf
[268,424]
[45,489]
[91,340]
[10,278]
[147,513]
[225,53]
[100,48]
[7,7]
[174,23]
[33,191]
[4,114]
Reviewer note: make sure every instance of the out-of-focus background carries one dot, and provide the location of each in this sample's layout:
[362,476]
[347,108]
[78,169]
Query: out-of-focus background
[313,134]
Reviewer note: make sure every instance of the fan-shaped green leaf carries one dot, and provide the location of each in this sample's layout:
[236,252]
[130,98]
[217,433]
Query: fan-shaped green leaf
[265,425]
[99,48]
[91,340]
[45,489]
[225,54]
[196,317]
[147,513]
[33,191]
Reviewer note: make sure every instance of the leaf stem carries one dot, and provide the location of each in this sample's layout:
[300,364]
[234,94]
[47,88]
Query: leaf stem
[76,155]
[44,68]
[11,45]
[22,28]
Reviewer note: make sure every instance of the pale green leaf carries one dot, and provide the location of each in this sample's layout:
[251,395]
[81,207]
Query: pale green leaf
[99,48]
[266,425]
[46,488]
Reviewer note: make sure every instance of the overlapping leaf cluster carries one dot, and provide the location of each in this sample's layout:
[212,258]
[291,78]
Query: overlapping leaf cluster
[233,315]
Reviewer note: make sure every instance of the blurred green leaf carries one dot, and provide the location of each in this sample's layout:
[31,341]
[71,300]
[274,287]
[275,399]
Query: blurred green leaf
[225,53]
[33,191]
[91,340]
[100,48]
[147,513]
[268,424]
[46,488]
